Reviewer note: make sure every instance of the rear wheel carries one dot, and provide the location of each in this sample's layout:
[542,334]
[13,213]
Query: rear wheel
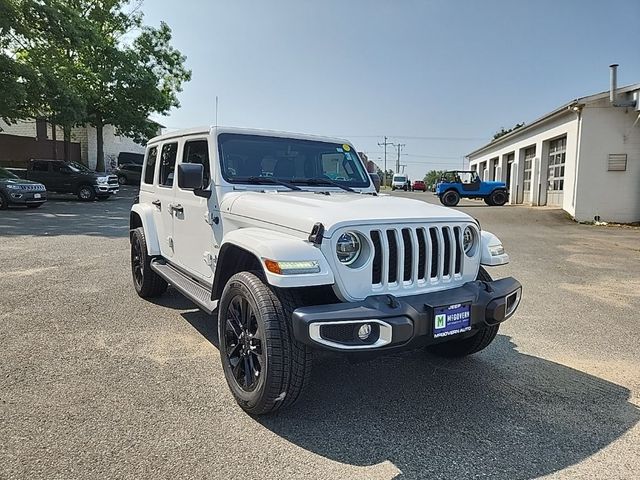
[265,367]
[467,346]
[148,284]
[86,193]
[450,198]
[487,200]
[498,197]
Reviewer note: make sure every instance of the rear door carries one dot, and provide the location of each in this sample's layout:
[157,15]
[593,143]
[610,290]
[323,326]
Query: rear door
[193,223]
[39,172]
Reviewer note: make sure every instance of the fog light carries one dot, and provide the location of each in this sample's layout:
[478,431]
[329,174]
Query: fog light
[364,331]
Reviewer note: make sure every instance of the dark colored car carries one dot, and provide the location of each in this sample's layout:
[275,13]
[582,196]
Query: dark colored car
[375,178]
[129,174]
[70,177]
[129,158]
[17,191]
[418,185]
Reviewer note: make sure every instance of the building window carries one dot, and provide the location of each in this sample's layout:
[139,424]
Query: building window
[41,129]
[529,155]
[150,165]
[557,156]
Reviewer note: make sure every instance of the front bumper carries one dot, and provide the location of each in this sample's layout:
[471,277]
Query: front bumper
[27,198]
[106,189]
[403,322]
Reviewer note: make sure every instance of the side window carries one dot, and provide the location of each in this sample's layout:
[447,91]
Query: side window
[167,164]
[152,153]
[57,167]
[197,151]
[40,166]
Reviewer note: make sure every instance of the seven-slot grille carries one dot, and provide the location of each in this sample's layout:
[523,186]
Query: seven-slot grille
[35,187]
[416,254]
[113,180]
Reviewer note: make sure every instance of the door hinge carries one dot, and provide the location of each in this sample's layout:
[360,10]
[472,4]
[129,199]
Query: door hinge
[211,218]
[170,242]
[209,259]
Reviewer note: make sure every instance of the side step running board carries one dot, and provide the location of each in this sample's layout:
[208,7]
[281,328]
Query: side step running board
[186,286]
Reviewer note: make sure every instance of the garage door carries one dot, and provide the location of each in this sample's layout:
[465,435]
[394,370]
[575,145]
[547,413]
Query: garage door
[529,155]
[557,156]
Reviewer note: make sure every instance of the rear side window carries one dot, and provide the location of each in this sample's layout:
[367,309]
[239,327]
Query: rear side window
[40,166]
[168,164]
[197,151]
[152,153]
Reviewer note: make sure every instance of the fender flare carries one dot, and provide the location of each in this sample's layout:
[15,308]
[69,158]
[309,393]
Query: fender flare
[491,250]
[268,244]
[142,215]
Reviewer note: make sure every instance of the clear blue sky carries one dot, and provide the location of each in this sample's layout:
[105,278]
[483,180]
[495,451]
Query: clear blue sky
[454,70]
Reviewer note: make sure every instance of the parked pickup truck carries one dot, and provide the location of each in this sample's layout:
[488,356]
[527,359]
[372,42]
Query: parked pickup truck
[70,177]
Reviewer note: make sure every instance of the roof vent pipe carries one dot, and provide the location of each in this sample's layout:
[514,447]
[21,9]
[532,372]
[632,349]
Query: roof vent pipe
[614,82]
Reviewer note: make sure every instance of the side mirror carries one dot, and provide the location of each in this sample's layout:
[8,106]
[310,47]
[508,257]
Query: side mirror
[191,177]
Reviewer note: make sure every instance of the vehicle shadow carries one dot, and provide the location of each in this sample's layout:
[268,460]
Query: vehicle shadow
[66,215]
[500,413]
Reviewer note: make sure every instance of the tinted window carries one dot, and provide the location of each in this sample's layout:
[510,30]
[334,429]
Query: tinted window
[152,153]
[168,163]
[197,151]
[58,167]
[40,166]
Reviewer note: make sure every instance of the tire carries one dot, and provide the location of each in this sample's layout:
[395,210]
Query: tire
[4,203]
[498,197]
[86,193]
[487,200]
[450,198]
[34,205]
[148,284]
[122,180]
[470,345]
[269,370]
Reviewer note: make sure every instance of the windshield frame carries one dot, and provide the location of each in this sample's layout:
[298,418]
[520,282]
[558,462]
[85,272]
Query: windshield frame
[331,146]
[7,175]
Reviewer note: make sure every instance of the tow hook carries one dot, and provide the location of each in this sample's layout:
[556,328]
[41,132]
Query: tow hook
[392,302]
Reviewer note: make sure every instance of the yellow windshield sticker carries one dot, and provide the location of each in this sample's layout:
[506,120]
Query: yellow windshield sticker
[346,147]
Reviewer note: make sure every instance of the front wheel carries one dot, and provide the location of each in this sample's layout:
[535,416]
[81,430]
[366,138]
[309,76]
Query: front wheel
[148,284]
[122,180]
[467,346]
[86,193]
[265,367]
[450,198]
[498,198]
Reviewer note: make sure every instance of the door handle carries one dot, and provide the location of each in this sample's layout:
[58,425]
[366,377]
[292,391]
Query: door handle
[157,203]
[176,207]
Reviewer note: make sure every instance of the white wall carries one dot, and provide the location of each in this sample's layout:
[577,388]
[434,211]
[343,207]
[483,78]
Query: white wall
[614,196]
[564,124]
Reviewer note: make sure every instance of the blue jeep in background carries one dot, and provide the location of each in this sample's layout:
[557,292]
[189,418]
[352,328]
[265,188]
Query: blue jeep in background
[458,184]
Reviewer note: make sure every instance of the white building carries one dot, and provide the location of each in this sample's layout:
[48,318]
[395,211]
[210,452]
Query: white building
[28,139]
[583,157]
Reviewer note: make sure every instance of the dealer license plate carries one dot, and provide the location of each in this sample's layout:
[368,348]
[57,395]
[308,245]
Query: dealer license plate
[451,320]
[36,195]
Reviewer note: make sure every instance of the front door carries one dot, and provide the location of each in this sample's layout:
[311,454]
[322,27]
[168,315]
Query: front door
[61,177]
[193,222]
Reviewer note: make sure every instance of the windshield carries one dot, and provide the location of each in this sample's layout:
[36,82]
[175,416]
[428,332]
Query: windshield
[301,162]
[399,179]
[7,174]
[77,167]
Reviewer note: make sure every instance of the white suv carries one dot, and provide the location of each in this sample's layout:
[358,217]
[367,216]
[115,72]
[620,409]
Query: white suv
[284,237]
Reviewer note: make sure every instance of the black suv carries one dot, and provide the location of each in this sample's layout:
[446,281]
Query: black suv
[17,191]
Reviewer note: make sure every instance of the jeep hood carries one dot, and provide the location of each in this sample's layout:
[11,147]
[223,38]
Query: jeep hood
[301,210]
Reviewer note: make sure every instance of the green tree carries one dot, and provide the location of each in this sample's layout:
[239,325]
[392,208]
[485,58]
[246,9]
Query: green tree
[503,131]
[432,177]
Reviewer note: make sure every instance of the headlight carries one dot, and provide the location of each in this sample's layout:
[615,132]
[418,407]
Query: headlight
[102,180]
[348,248]
[468,240]
[11,186]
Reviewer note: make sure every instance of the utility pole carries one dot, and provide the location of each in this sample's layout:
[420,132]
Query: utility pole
[385,158]
[399,147]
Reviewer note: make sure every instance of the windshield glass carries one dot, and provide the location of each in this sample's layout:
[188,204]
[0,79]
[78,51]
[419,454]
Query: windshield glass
[243,157]
[399,179]
[7,174]
[77,167]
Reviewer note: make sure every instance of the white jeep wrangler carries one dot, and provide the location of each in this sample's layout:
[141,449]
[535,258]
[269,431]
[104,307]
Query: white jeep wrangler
[284,236]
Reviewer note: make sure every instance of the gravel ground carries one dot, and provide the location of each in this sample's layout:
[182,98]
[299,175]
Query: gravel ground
[97,383]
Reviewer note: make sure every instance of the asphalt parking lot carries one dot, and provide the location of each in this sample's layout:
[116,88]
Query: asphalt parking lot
[97,383]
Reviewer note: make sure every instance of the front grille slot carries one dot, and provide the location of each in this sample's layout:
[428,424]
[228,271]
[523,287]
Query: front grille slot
[393,256]
[406,256]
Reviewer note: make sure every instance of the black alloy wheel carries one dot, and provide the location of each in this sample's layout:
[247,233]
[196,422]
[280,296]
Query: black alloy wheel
[86,193]
[244,341]
[148,284]
[122,180]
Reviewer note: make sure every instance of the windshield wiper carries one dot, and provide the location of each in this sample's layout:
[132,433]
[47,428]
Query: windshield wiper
[324,181]
[267,180]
